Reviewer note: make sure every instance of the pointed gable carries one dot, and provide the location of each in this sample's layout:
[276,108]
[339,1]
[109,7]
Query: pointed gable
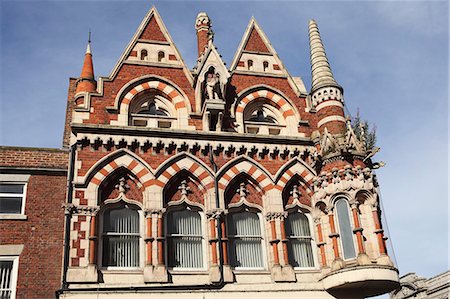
[152,45]
[255,53]
[256,56]
[255,43]
[152,31]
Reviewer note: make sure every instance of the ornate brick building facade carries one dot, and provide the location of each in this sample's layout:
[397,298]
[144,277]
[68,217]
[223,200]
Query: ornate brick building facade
[217,181]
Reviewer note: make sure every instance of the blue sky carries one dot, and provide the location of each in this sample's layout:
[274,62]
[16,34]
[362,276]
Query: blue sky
[391,57]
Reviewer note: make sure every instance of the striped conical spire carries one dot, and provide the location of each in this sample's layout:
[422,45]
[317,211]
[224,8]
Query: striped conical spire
[320,68]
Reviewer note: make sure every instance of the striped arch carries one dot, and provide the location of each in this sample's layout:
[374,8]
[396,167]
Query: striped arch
[177,99]
[125,160]
[289,170]
[249,167]
[186,162]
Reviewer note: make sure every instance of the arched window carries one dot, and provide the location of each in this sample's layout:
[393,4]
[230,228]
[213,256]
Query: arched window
[120,237]
[151,109]
[161,56]
[265,66]
[185,241]
[250,65]
[261,117]
[345,229]
[245,240]
[144,54]
[300,241]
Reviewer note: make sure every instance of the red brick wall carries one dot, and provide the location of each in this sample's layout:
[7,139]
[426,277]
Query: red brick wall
[40,263]
[33,157]
[255,43]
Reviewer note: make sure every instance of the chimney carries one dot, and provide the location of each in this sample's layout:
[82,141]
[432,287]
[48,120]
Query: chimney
[203,28]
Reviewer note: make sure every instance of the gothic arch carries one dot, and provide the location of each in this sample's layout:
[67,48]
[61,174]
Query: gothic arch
[184,161]
[246,165]
[120,158]
[290,116]
[291,168]
[170,90]
[142,83]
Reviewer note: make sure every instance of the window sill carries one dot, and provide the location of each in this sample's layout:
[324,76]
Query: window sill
[13,217]
[188,272]
[251,272]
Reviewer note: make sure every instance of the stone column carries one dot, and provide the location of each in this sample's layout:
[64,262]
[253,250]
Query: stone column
[337,262]
[383,258]
[93,240]
[149,238]
[321,243]
[362,258]
[158,272]
[279,273]
[213,218]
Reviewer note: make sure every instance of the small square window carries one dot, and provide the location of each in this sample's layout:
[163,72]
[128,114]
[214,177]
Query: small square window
[8,276]
[12,198]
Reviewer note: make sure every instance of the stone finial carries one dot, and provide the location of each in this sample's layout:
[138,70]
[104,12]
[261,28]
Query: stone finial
[242,191]
[184,188]
[295,193]
[122,186]
[320,68]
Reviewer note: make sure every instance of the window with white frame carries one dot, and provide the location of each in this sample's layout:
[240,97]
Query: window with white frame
[12,197]
[121,238]
[8,276]
[184,239]
[245,233]
[298,231]
[345,228]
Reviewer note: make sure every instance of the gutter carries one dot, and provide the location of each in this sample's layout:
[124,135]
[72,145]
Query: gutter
[68,216]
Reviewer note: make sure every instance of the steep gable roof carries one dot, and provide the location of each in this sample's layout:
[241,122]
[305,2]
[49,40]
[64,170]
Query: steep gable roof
[151,29]
[255,42]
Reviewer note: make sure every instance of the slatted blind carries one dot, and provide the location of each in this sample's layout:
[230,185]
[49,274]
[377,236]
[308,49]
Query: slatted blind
[185,239]
[299,234]
[245,236]
[6,279]
[121,238]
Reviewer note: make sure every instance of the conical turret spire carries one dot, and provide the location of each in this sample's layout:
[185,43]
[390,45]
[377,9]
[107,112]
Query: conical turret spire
[320,68]
[86,82]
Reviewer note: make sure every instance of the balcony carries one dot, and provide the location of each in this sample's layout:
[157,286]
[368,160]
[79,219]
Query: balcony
[361,281]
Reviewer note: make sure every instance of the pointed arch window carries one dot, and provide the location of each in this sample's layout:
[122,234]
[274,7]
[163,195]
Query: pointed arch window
[121,237]
[161,56]
[144,55]
[246,239]
[298,231]
[345,228]
[265,66]
[185,239]
[250,65]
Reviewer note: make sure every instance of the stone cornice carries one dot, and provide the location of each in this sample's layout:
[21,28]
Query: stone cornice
[185,134]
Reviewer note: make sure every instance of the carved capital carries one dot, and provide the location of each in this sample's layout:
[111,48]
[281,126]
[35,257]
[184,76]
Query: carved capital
[214,214]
